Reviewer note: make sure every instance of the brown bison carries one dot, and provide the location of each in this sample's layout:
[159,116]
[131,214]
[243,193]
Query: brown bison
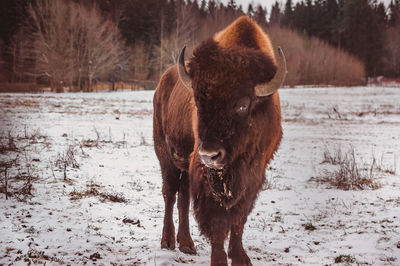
[216,127]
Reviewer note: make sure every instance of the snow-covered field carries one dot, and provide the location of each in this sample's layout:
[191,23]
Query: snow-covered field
[89,164]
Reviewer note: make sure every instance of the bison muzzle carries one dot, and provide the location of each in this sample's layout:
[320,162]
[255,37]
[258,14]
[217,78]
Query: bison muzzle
[217,124]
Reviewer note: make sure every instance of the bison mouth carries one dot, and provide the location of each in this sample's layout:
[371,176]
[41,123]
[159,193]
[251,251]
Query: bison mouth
[222,187]
[214,166]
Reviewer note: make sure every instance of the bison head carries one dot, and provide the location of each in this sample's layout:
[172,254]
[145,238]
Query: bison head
[232,83]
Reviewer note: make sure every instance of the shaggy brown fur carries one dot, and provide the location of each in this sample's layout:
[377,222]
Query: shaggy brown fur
[224,71]
[244,32]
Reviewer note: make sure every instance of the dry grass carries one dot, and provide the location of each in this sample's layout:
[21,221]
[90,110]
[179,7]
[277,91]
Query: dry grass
[5,166]
[34,256]
[67,159]
[17,176]
[383,167]
[143,141]
[335,158]
[335,113]
[309,227]
[7,144]
[89,143]
[314,62]
[345,259]
[17,169]
[102,139]
[348,175]
[19,172]
[94,192]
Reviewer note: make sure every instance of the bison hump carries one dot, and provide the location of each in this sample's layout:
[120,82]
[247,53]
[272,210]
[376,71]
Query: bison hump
[246,33]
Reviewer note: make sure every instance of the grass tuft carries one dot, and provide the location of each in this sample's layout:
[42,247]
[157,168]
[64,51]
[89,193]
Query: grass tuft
[345,259]
[348,175]
[93,192]
[309,227]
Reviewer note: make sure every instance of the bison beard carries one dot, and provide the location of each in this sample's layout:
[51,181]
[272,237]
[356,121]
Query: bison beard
[215,129]
[225,188]
[221,186]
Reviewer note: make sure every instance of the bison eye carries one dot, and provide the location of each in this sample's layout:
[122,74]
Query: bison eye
[242,109]
[242,106]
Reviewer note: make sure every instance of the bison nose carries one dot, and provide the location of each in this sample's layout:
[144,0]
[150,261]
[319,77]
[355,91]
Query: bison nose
[212,158]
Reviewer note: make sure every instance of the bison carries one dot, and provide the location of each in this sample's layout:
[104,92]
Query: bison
[217,124]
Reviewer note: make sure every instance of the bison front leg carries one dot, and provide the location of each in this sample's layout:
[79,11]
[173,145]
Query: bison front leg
[235,250]
[184,239]
[214,224]
[219,231]
[170,187]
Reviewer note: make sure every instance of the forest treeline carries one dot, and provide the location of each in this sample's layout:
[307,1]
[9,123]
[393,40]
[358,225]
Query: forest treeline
[77,43]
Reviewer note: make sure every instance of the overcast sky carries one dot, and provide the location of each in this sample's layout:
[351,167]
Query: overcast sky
[269,3]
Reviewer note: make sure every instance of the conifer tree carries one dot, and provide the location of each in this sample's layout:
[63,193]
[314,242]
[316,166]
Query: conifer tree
[260,16]
[250,10]
[288,14]
[275,16]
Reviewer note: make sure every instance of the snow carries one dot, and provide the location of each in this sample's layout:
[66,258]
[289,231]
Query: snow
[54,226]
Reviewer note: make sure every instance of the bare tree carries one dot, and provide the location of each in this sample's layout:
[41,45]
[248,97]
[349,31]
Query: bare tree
[52,45]
[142,62]
[184,33]
[186,26]
[105,50]
[21,58]
[69,44]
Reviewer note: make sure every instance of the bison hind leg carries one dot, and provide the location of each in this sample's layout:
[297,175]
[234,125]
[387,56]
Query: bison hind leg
[185,241]
[170,176]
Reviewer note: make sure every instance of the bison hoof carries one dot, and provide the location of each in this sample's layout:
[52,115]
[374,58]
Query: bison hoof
[187,249]
[218,258]
[186,243]
[219,263]
[168,243]
[241,259]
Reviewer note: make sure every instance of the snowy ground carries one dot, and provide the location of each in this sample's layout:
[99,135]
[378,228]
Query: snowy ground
[88,162]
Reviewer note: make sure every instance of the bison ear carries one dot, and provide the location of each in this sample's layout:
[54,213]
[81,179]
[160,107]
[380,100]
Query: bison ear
[182,72]
[270,87]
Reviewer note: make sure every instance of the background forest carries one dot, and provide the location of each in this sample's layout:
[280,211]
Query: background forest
[78,45]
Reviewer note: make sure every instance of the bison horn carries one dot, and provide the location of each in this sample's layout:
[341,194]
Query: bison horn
[182,72]
[268,88]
